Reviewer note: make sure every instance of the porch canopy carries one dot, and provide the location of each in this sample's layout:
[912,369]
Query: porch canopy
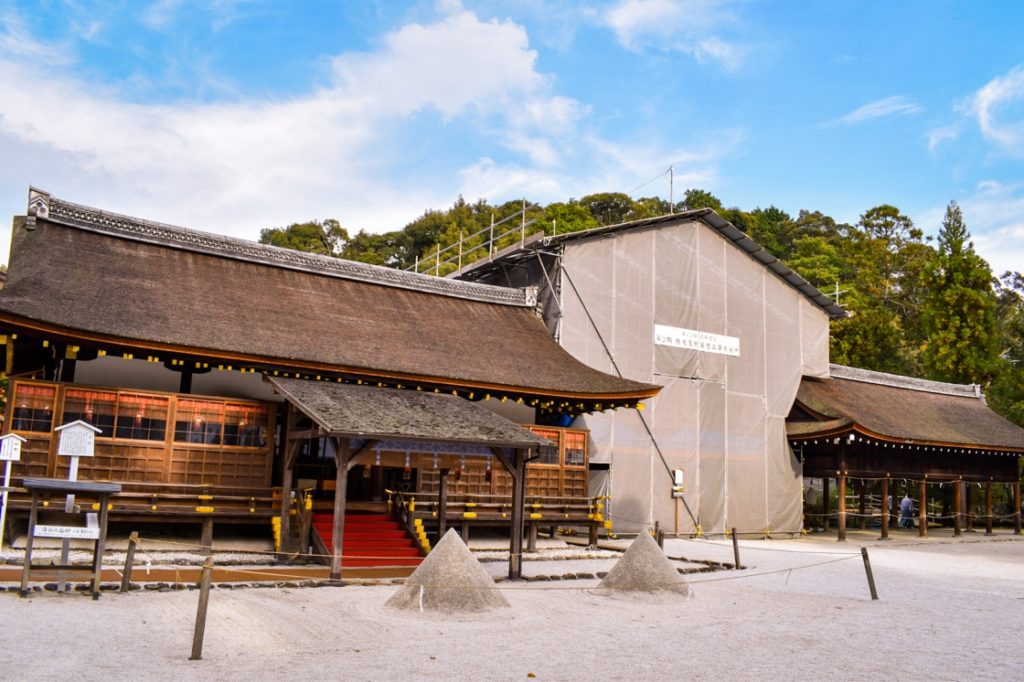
[357,417]
[874,426]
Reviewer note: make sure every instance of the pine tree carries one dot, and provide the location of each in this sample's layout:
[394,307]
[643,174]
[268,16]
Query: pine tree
[959,316]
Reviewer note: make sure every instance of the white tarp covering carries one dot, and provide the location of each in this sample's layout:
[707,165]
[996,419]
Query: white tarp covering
[719,417]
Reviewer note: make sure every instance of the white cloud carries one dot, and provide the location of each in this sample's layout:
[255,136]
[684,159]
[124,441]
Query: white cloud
[451,66]
[937,136]
[992,100]
[608,166]
[688,26]
[890,106]
[238,166]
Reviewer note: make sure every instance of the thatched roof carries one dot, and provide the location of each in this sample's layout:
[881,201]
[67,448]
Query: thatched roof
[900,409]
[367,411]
[89,274]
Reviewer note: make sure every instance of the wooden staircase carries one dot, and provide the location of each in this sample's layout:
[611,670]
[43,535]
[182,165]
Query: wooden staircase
[369,540]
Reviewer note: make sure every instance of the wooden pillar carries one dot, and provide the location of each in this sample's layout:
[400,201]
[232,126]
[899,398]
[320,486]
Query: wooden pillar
[922,513]
[99,548]
[531,537]
[826,505]
[958,509]
[885,508]
[1016,507]
[515,552]
[969,506]
[341,447]
[862,506]
[842,508]
[185,381]
[291,451]
[442,504]
[465,532]
[988,508]
[206,536]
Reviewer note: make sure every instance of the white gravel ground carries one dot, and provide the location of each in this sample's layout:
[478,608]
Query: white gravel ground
[948,610]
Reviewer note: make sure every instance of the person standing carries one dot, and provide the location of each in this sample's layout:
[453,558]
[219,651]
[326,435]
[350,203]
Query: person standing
[906,512]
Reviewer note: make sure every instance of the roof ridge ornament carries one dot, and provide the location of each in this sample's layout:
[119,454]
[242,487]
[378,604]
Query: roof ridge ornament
[899,381]
[43,205]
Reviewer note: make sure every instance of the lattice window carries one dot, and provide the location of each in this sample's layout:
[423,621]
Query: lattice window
[93,407]
[33,408]
[142,417]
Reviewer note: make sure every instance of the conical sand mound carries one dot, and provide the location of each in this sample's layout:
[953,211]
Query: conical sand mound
[645,568]
[450,580]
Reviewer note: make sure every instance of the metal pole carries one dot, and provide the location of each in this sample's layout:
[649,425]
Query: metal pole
[867,569]
[204,602]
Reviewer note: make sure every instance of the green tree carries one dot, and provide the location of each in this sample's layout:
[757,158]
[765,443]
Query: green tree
[959,318]
[609,208]
[698,198]
[1006,394]
[326,237]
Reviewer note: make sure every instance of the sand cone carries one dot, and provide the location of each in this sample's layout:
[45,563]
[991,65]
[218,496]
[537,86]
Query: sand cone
[450,580]
[645,568]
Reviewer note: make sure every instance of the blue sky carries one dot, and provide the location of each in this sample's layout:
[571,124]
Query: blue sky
[234,115]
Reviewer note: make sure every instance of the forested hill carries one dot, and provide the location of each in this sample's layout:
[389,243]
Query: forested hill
[923,307]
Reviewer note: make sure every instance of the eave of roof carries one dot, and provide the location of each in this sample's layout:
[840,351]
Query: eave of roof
[95,284]
[704,215]
[349,410]
[905,410]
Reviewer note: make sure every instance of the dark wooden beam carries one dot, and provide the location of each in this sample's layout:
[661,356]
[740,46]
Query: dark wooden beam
[341,447]
[842,508]
[988,508]
[306,434]
[354,458]
[885,508]
[1016,507]
[515,554]
[826,505]
[922,513]
[442,504]
[958,508]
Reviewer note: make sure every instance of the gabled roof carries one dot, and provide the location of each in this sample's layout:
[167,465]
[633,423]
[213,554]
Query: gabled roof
[901,409]
[380,413]
[107,278]
[706,216]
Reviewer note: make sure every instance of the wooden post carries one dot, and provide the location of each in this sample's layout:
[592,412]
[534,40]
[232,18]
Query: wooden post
[826,505]
[661,538]
[842,509]
[735,550]
[922,513]
[531,537]
[862,508]
[129,561]
[442,504]
[969,504]
[988,508]
[593,534]
[204,602]
[206,538]
[341,447]
[867,569]
[1017,507]
[958,509]
[98,549]
[27,562]
[291,451]
[885,508]
[515,557]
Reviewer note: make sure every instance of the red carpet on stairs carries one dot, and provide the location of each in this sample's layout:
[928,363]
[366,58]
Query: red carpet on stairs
[370,540]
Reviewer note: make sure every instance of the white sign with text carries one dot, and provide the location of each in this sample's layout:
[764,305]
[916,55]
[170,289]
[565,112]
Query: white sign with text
[692,339]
